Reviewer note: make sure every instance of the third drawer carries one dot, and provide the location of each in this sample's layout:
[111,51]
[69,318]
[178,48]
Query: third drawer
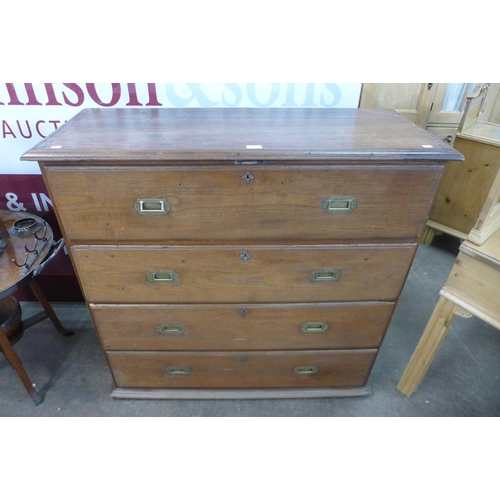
[242,326]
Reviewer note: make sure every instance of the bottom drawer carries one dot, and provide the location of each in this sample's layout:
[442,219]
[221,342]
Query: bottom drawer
[244,369]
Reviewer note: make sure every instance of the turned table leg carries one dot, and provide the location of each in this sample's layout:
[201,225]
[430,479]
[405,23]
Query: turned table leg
[17,365]
[434,334]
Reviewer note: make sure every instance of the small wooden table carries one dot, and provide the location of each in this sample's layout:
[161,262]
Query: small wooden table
[472,289]
[34,250]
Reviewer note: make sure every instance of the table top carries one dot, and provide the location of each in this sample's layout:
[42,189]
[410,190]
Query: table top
[238,134]
[13,277]
[489,251]
[480,131]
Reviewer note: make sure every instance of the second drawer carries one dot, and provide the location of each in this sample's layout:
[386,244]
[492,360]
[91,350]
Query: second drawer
[233,274]
[242,326]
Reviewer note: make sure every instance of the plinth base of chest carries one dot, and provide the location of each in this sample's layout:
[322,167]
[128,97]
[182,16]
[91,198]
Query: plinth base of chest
[119,393]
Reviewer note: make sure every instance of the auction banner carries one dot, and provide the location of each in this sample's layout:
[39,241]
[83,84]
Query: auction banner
[29,112]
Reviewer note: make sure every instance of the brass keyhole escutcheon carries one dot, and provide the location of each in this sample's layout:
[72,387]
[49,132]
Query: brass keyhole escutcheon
[246,255]
[247,177]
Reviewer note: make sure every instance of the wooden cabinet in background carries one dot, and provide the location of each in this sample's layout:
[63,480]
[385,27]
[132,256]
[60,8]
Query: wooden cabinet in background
[466,116]
[468,201]
[437,107]
[411,100]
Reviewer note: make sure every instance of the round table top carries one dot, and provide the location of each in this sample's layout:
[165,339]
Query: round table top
[13,277]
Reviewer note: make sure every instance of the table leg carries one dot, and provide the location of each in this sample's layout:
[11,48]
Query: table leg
[17,365]
[48,308]
[434,334]
[427,236]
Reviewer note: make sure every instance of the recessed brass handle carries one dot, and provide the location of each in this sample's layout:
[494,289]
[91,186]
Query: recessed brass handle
[152,206]
[177,370]
[171,329]
[305,370]
[314,327]
[162,276]
[339,204]
[325,275]
[249,162]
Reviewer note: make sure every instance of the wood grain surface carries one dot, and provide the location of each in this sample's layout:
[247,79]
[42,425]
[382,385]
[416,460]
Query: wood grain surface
[242,370]
[224,133]
[241,326]
[217,203]
[217,274]
[243,232]
[476,281]
[465,185]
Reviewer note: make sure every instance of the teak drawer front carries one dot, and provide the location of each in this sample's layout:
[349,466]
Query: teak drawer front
[211,274]
[216,204]
[247,369]
[211,327]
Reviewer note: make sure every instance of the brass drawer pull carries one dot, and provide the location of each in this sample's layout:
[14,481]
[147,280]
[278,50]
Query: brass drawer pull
[339,204]
[162,276]
[314,327]
[325,275]
[177,370]
[305,370]
[152,206]
[171,329]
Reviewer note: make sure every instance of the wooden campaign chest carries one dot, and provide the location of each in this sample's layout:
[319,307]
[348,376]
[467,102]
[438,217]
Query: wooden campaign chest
[241,252]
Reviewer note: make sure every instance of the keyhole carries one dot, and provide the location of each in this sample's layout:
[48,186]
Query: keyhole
[247,177]
[245,255]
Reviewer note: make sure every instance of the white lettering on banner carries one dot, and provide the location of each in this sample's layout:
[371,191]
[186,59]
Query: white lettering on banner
[180,94]
[13,204]
[29,112]
[41,201]
[44,199]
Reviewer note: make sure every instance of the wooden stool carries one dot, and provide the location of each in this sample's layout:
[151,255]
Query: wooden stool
[472,289]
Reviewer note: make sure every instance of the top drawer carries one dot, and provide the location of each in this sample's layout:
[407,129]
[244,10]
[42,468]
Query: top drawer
[102,204]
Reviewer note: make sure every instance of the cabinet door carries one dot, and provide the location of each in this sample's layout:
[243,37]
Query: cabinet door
[449,103]
[411,100]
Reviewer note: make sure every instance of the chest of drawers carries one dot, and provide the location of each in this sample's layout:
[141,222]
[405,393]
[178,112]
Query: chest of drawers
[241,252]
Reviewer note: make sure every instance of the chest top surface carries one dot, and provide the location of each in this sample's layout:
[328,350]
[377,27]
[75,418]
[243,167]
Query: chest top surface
[201,134]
